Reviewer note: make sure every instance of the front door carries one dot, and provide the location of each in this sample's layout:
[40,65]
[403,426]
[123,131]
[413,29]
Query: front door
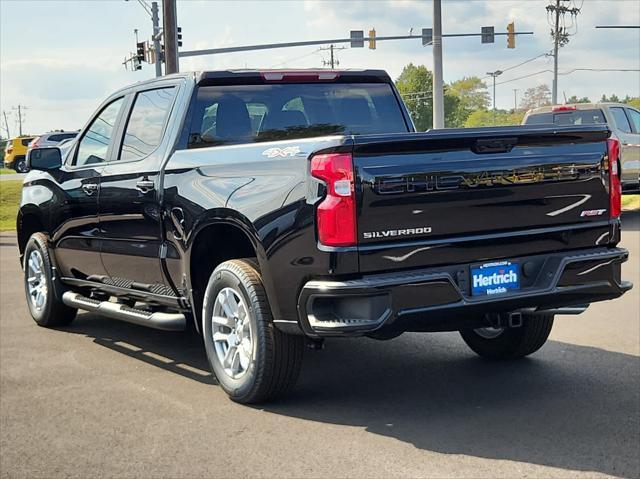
[130,214]
[77,239]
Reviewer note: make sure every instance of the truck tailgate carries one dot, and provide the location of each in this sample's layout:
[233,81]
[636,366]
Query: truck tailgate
[479,192]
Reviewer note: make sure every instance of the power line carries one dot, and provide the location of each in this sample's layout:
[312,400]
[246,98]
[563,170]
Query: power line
[295,58]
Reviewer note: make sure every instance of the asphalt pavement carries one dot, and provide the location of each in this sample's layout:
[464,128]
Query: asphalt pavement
[105,398]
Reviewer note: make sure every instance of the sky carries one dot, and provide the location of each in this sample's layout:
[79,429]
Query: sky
[60,59]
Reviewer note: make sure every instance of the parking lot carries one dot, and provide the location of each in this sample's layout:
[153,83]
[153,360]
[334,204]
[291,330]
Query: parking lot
[105,398]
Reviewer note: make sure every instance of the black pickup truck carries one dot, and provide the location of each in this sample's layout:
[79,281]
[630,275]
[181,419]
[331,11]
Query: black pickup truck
[272,209]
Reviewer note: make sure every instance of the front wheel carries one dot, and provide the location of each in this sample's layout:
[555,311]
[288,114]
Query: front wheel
[510,343]
[42,288]
[252,360]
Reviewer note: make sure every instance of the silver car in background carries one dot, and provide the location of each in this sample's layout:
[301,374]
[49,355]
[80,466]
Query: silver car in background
[623,120]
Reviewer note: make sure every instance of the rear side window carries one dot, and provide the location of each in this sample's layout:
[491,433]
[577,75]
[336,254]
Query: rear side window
[620,119]
[26,141]
[255,113]
[574,117]
[146,123]
[634,116]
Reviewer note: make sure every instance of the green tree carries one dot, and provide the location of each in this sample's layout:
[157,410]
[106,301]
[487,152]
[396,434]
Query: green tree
[613,98]
[486,118]
[535,97]
[415,86]
[472,95]
[575,99]
[633,101]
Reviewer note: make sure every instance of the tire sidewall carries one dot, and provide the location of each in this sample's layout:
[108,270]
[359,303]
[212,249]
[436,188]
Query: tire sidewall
[41,315]
[224,277]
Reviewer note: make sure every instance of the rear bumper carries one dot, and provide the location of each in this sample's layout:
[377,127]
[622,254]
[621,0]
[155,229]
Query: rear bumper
[439,299]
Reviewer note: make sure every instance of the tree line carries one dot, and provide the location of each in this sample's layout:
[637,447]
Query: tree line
[467,101]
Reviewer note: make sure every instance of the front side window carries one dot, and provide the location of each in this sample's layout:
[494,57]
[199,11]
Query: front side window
[255,113]
[620,119]
[146,123]
[94,145]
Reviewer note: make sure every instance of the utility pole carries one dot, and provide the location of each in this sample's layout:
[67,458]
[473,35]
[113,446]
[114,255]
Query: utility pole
[494,74]
[438,88]
[6,124]
[155,19]
[19,108]
[560,35]
[170,31]
[333,62]
[515,99]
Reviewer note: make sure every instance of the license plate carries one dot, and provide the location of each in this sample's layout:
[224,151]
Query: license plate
[495,278]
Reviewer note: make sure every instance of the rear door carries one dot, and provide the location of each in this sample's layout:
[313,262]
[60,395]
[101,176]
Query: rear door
[130,215]
[436,192]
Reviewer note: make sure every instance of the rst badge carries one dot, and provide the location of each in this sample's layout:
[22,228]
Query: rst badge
[592,213]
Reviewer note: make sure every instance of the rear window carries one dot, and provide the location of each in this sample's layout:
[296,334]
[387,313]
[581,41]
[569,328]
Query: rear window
[573,117]
[255,113]
[61,136]
[25,141]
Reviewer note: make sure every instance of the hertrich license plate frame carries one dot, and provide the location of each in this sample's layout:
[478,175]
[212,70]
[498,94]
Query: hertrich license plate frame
[495,278]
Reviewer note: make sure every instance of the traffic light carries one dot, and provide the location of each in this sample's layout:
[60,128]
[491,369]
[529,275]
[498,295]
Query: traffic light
[372,39]
[511,37]
[179,36]
[141,51]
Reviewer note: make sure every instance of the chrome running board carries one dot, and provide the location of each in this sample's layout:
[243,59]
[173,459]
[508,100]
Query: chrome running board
[157,320]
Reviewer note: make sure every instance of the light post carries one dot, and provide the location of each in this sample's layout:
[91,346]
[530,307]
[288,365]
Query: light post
[494,74]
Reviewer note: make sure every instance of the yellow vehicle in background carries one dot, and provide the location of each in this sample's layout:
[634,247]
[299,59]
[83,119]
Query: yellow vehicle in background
[15,153]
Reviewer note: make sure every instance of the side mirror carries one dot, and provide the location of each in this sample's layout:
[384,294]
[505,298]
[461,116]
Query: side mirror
[45,159]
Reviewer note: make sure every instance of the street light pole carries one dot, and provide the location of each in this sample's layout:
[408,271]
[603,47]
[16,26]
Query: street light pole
[438,92]
[494,74]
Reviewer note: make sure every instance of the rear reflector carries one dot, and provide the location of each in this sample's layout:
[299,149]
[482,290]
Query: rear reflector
[336,213]
[563,108]
[615,185]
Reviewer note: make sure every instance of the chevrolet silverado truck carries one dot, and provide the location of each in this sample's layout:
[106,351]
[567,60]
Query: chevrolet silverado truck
[273,209]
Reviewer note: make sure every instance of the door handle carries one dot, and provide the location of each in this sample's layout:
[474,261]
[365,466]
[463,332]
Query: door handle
[144,186]
[90,188]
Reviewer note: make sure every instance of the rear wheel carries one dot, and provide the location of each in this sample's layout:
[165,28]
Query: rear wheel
[42,288]
[252,360]
[20,164]
[510,343]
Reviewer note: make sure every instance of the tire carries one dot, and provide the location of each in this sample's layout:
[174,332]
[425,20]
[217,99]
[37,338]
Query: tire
[47,309]
[255,362]
[511,343]
[20,164]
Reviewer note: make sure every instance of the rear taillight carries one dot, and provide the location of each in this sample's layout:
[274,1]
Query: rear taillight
[615,186]
[336,214]
[34,143]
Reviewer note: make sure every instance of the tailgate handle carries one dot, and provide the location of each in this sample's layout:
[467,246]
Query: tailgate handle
[494,145]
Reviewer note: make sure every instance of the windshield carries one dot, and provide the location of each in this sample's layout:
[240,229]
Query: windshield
[254,113]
